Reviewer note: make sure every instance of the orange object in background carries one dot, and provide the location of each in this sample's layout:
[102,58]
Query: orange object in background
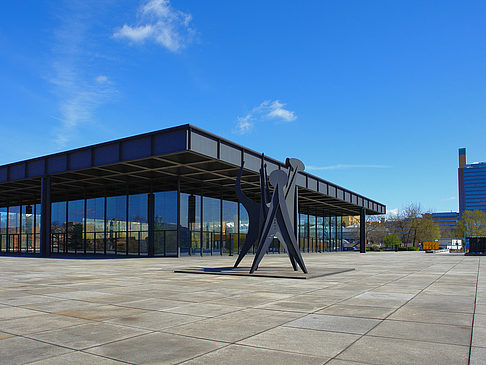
[430,245]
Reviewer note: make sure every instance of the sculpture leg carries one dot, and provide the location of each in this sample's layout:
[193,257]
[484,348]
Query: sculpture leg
[291,258]
[250,240]
[262,249]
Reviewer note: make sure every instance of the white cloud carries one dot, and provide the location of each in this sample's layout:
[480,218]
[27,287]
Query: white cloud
[266,110]
[102,79]
[347,166]
[158,21]
[79,93]
[448,199]
[392,212]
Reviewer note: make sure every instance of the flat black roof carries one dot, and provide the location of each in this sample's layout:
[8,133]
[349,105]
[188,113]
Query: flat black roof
[202,162]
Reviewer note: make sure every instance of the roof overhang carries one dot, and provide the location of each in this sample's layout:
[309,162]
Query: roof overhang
[200,162]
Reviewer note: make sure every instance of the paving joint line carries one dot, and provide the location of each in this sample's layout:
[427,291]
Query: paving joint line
[382,320]
[474,312]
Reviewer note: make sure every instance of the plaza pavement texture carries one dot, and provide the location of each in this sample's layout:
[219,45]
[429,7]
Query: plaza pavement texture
[395,308]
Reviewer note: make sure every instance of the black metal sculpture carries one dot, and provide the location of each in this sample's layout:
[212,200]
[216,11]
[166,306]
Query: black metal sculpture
[272,217]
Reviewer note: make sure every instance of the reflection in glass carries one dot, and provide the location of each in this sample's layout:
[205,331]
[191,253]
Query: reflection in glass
[303,232]
[211,226]
[75,226]
[37,220]
[3,229]
[230,227]
[244,224]
[95,225]
[27,229]
[326,234]
[58,227]
[190,219]
[333,233]
[138,224]
[116,225]
[319,233]
[312,234]
[165,224]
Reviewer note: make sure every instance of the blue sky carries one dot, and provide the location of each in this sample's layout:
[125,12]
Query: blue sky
[376,96]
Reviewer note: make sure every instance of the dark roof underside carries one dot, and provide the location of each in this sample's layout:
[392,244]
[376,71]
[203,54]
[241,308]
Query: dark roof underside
[203,164]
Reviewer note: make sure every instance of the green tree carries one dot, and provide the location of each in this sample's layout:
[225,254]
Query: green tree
[392,240]
[427,230]
[471,224]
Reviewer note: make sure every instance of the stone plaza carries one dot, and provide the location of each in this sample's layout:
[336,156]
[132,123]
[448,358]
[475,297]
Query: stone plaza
[394,308]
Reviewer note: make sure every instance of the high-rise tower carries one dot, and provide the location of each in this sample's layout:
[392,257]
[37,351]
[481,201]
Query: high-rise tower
[472,184]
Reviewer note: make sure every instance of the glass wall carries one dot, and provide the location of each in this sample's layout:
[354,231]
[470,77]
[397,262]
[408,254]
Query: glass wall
[211,226]
[320,233]
[190,220]
[165,225]
[95,225]
[116,225]
[303,232]
[229,238]
[138,224]
[119,225]
[3,230]
[312,234]
[58,227]
[75,226]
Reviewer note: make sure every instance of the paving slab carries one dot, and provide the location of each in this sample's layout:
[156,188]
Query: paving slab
[39,323]
[20,350]
[479,336]
[156,348]
[380,299]
[15,312]
[235,326]
[244,355]
[154,320]
[324,322]
[151,304]
[358,311]
[4,335]
[102,312]
[412,314]
[478,356]
[315,343]
[422,290]
[88,335]
[203,309]
[389,351]
[76,357]
[480,320]
[430,332]
[444,303]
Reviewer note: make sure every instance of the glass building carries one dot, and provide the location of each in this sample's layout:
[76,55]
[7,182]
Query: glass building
[472,184]
[165,193]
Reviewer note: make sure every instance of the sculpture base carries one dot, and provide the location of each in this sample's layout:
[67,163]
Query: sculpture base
[268,272]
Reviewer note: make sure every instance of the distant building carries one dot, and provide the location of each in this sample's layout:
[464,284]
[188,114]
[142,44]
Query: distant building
[447,223]
[472,184]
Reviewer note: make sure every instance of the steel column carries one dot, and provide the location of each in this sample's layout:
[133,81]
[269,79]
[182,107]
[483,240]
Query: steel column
[178,233]
[151,237]
[362,231]
[45,231]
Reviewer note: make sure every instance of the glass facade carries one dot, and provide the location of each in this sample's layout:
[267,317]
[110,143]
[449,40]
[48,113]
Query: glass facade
[119,225]
[475,186]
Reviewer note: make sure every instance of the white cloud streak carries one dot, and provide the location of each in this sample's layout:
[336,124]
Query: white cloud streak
[266,110]
[159,22]
[347,166]
[78,92]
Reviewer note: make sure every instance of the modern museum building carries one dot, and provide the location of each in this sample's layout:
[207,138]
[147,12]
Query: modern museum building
[164,193]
